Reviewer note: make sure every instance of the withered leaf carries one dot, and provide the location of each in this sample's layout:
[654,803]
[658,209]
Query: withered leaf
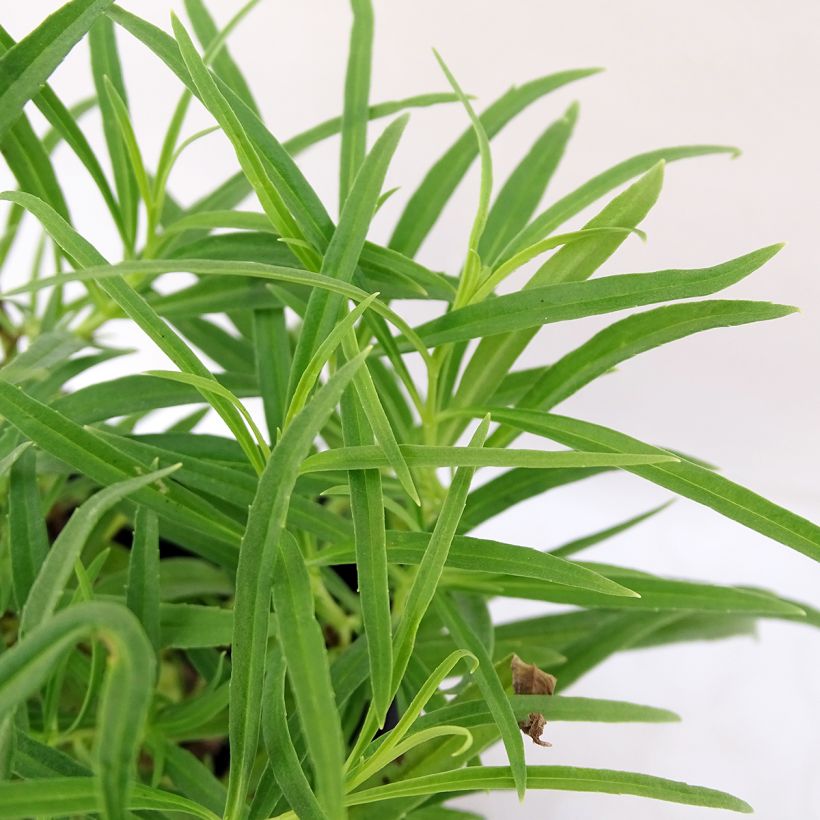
[528,679]
[533,727]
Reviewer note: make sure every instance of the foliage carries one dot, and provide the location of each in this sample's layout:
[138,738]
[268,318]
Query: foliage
[173,596]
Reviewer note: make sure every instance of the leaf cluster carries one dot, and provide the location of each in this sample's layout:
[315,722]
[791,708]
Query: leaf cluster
[290,618]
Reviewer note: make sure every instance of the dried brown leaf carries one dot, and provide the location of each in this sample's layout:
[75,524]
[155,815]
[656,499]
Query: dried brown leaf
[528,679]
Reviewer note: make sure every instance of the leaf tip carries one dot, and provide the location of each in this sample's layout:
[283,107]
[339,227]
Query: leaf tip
[571,114]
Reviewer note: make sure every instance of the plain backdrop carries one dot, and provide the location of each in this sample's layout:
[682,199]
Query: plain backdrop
[747,399]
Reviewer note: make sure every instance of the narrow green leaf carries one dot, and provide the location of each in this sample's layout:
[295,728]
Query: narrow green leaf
[483,555]
[329,128]
[575,202]
[193,778]
[492,691]
[122,120]
[303,648]
[563,778]
[475,713]
[25,67]
[34,759]
[300,199]
[254,578]
[428,201]
[133,304]
[514,486]
[105,66]
[495,356]
[272,357]
[423,455]
[230,352]
[139,393]
[143,590]
[28,160]
[578,544]
[212,386]
[7,461]
[535,307]
[28,537]
[321,356]
[342,255]
[380,424]
[287,767]
[521,193]
[426,581]
[59,563]
[356,97]
[367,506]
[622,632]
[64,126]
[210,37]
[42,356]
[124,700]
[79,795]
[649,593]
[203,267]
[684,477]
[472,266]
[387,747]
[253,167]
[630,337]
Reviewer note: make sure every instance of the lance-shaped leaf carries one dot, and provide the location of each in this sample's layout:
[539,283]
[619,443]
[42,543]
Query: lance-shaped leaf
[28,160]
[288,767]
[424,455]
[342,255]
[212,39]
[630,337]
[203,267]
[252,166]
[27,534]
[650,593]
[64,123]
[574,300]
[254,578]
[142,592]
[25,67]
[80,795]
[107,73]
[299,198]
[106,464]
[133,304]
[491,688]
[575,202]
[685,477]
[521,193]
[426,581]
[474,713]
[357,93]
[367,507]
[483,555]
[124,699]
[428,201]
[563,778]
[495,356]
[303,647]
[578,544]
[59,564]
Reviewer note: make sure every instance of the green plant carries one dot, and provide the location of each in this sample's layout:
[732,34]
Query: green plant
[130,561]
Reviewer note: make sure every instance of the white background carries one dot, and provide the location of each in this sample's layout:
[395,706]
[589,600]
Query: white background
[742,73]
